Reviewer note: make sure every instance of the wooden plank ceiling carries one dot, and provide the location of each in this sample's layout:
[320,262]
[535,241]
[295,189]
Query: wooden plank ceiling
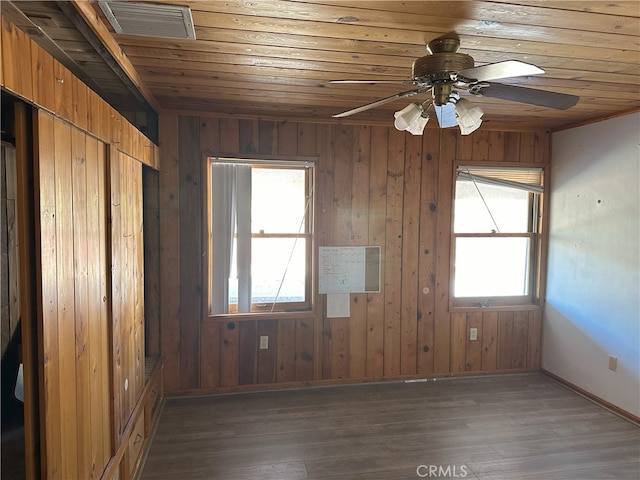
[274,59]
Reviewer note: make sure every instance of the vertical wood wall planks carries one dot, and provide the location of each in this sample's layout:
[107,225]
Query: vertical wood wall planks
[210,331]
[48,304]
[410,245]
[125,186]
[98,333]
[374,186]
[43,78]
[117,286]
[360,160]
[82,300]
[247,353]
[63,90]
[285,350]
[32,73]
[170,250]
[377,228]
[191,184]
[393,254]
[442,326]
[339,339]
[229,363]
[304,356]
[267,357]
[139,281]
[458,342]
[519,340]
[80,104]
[489,340]
[323,213]
[210,355]
[267,137]
[151,237]
[248,136]
[308,329]
[80,424]
[427,250]
[66,300]
[473,356]
[17,66]
[534,340]
[504,352]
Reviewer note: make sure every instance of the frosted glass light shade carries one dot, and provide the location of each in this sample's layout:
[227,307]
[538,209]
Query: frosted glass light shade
[411,118]
[469,116]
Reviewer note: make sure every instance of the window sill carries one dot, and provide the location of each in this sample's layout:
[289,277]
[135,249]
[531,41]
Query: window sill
[495,308]
[239,317]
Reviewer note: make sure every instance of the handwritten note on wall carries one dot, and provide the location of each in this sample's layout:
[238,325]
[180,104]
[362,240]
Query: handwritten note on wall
[349,269]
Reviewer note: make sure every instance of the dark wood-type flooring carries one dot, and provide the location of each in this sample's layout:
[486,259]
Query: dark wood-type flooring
[502,427]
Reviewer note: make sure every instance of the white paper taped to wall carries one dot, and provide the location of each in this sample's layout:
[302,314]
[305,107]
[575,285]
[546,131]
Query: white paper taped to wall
[338,305]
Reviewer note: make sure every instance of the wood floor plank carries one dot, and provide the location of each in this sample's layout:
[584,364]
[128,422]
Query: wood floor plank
[499,427]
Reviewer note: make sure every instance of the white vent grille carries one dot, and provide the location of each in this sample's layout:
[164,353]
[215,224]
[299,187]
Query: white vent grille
[150,19]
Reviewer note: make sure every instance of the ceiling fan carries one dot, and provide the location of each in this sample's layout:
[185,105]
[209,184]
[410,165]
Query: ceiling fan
[445,72]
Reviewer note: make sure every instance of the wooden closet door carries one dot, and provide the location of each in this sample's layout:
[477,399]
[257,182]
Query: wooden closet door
[127,279]
[73,308]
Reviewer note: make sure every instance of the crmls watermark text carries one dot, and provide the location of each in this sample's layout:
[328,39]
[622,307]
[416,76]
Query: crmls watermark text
[442,471]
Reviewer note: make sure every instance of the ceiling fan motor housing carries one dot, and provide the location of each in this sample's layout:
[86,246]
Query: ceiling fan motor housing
[440,67]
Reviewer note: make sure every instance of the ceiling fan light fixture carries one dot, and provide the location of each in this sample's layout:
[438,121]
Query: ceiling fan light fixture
[469,116]
[412,118]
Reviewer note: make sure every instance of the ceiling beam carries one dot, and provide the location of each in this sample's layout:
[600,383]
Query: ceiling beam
[86,20]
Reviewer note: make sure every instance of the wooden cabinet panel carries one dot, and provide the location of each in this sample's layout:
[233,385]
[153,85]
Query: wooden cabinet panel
[136,442]
[153,400]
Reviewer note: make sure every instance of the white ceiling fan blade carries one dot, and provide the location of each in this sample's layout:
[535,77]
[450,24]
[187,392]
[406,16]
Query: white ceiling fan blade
[380,102]
[531,96]
[494,71]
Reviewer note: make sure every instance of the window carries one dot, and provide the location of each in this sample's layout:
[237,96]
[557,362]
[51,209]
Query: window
[496,230]
[260,236]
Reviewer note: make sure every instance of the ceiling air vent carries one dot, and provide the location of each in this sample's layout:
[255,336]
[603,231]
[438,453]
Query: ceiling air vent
[150,19]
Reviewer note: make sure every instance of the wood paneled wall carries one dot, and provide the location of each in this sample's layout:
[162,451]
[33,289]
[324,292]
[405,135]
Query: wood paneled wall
[89,268]
[374,185]
[34,75]
[91,318]
[74,316]
[127,285]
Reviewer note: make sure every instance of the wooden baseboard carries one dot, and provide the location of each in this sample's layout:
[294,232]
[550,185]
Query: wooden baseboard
[594,398]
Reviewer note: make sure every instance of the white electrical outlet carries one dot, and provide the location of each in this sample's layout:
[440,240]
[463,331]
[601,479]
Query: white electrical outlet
[264,342]
[473,333]
[613,363]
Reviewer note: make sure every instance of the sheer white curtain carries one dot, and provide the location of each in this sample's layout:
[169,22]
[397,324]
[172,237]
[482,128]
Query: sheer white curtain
[230,215]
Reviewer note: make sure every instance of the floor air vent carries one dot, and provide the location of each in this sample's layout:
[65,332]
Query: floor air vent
[150,19]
